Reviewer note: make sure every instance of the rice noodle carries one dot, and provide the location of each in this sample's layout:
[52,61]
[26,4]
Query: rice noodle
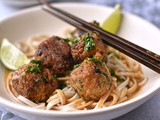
[126,82]
[26,101]
[52,103]
[40,106]
[122,85]
[61,96]
[133,88]
[143,82]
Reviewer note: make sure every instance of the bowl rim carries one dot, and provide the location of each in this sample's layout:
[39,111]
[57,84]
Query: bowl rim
[15,106]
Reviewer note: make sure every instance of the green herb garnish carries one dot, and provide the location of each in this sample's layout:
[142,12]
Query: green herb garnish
[40,100]
[107,78]
[44,79]
[35,68]
[95,61]
[62,85]
[55,77]
[75,66]
[67,39]
[89,42]
[116,55]
[38,63]
[120,79]
[71,40]
[95,23]
[105,75]
[80,88]
[112,72]
[76,39]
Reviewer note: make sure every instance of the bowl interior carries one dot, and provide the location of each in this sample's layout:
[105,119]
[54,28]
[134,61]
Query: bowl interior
[35,21]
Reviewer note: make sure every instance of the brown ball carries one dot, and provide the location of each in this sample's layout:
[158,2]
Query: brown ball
[91,80]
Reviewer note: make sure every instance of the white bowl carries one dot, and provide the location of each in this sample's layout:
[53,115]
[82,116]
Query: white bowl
[35,21]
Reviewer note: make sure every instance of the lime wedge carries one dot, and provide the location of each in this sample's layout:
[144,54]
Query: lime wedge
[113,22]
[11,56]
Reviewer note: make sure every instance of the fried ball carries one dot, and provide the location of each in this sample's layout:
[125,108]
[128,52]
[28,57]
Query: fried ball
[33,83]
[91,79]
[89,43]
[55,54]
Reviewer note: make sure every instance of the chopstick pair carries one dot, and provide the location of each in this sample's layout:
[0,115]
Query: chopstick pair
[134,51]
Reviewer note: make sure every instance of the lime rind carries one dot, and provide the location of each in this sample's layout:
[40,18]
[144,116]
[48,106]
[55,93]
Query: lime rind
[11,56]
[113,22]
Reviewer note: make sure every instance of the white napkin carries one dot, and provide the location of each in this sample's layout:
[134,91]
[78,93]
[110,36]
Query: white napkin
[5,115]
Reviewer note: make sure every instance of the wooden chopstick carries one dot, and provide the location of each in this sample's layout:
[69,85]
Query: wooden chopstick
[136,52]
[112,36]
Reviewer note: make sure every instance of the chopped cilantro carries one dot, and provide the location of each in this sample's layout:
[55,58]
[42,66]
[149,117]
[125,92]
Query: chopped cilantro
[67,39]
[76,39]
[40,100]
[89,42]
[44,79]
[71,40]
[112,72]
[75,66]
[38,63]
[107,78]
[62,85]
[100,72]
[72,33]
[105,75]
[95,23]
[120,79]
[116,55]
[80,88]
[35,68]
[95,60]
[109,53]
[55,77]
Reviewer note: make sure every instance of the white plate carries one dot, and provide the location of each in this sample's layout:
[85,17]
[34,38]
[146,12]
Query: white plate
[35,21]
